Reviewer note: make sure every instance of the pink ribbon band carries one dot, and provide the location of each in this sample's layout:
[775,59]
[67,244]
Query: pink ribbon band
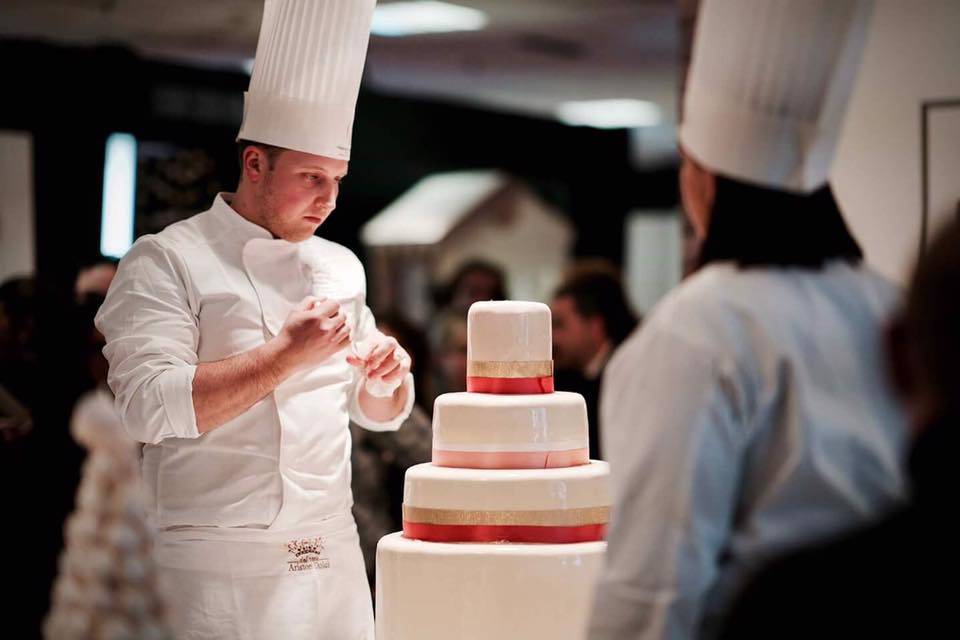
[503,533]
[511,459]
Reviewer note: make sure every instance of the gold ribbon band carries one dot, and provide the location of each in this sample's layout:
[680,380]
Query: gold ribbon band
[510,369]
[550,518]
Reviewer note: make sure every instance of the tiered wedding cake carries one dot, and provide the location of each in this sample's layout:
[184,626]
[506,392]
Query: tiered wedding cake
[503,532]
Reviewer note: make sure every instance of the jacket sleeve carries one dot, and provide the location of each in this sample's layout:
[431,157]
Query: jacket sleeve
[151,343]
[670,415]
[366,327]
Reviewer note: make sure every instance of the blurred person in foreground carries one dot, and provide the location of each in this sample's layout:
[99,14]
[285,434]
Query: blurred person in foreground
[591,317]
[750,414]
[878,582]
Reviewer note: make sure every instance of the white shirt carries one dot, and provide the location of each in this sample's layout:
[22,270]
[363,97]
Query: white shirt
[205,289]
[749,415]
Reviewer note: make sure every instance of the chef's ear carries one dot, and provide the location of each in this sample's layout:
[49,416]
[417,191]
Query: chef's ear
[255,163]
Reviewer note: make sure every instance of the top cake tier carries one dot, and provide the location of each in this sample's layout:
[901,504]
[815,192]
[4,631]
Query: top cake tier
[509,347]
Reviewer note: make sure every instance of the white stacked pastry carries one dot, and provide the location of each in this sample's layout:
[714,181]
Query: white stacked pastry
[107,587]
[503,531]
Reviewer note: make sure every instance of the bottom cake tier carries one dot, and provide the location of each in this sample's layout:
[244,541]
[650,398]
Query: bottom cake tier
[477,591]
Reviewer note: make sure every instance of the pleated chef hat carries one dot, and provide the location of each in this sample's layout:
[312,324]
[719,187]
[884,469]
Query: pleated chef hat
[768,86]
[306,75]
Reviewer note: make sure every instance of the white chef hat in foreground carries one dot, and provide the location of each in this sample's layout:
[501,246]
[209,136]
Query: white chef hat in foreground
[768,86]
[306,75]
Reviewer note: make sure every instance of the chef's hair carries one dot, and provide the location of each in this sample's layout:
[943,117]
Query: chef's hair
[271,151]
[931,317]
[754,226]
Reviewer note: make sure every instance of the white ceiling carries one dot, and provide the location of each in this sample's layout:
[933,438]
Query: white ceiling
[533,55]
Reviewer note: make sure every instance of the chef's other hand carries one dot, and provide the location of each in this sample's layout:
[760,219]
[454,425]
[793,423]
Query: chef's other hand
[384,364]
[313,332]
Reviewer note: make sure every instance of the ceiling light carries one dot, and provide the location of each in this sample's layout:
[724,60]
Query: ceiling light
[424,16]
[119,195]
[619,113]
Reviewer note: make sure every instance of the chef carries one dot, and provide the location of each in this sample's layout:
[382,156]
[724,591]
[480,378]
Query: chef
[240,347]
[750,414]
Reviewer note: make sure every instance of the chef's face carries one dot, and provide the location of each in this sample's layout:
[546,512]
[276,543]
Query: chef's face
[298,192]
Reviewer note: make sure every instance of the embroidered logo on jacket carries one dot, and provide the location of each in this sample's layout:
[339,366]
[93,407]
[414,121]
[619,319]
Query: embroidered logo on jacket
[307,555]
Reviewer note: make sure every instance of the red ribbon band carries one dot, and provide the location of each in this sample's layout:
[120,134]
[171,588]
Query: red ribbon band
[510,386]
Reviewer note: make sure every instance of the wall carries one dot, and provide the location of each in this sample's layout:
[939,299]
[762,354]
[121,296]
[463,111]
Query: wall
[654,255]
[912,56]
[17,255]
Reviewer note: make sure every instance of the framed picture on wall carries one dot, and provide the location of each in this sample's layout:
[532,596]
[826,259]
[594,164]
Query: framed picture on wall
[940,165]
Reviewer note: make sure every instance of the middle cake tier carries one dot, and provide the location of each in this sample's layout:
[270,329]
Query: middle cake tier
[443,504]
[486,431]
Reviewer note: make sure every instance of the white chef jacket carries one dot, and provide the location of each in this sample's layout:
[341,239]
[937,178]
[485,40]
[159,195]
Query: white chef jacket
[205,289]
[749,415]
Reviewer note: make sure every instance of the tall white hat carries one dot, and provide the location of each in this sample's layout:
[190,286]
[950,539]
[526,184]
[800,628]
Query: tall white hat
[768,87]
[306,75]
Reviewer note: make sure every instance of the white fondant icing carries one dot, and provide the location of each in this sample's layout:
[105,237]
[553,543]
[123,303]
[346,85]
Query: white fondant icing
[469,591]
[433,487]
[509,331]
[488,422]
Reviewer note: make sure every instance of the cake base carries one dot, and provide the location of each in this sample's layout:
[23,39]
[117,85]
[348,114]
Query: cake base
[470,591]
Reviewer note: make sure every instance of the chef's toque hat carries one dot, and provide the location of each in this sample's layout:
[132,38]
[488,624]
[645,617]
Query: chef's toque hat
[306,75]
[768,86]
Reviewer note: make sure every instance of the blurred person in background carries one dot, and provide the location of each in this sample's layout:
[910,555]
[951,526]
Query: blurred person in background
[96,404]
[474,281]
[19,354]
[591,317]
[380,460]
[43,371]
[750,414]
[878,582]
[450,352]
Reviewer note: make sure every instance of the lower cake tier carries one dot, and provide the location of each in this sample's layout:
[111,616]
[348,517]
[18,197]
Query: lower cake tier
[564,505]
[434,591]
[485,431]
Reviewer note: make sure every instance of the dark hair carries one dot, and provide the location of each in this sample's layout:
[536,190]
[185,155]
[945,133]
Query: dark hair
[754,226]
[19,303]
[271,151]
[597,291]
[444,295]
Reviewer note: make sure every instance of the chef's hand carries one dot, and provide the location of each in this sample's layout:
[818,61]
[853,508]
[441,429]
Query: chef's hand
[384,364]
[313,332]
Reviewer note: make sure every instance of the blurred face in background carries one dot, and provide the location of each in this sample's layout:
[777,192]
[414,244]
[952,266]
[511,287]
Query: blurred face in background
[295,192]
[475,286]
[576,338]
[452,356]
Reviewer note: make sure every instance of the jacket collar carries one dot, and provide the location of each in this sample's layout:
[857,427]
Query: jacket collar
[233,223]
